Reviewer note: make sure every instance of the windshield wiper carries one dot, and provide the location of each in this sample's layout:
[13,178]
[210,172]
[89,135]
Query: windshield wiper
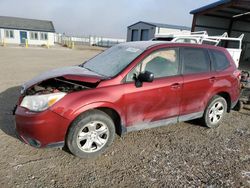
[82,65]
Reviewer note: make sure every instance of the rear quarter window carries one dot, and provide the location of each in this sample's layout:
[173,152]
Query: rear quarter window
[195,60]
[219,60]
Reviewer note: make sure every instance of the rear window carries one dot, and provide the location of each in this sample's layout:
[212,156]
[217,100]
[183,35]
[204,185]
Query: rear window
[195,60]
[219,59]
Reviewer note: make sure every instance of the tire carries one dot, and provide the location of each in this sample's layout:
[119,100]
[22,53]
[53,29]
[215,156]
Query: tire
[214,112]
[90,134]
[239,106]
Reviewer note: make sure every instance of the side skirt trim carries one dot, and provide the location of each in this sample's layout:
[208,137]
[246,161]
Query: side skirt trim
[164,122]
[55,145]
[192,116]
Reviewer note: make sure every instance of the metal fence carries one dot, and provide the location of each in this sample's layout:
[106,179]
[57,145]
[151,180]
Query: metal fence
[70,41]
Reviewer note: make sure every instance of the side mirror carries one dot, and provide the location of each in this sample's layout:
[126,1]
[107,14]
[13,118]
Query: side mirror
[144,77]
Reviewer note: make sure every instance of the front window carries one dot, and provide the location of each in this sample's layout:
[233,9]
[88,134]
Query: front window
[113,60]
[162,63]
[9,34]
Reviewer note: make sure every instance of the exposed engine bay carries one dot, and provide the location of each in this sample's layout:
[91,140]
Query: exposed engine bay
[59,84]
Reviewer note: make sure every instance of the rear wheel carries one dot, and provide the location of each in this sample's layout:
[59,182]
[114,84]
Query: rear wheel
[215,112]
[239,106]
[90,134]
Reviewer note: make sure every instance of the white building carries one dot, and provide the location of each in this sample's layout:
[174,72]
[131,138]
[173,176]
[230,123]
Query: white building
[146,30]
[19,30]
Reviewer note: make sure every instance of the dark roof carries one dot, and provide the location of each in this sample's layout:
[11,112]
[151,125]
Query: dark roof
[26,24]
[210,6]
[163,25]
[238,10]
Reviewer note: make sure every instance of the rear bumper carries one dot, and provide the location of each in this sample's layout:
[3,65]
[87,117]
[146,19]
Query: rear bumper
[43,129]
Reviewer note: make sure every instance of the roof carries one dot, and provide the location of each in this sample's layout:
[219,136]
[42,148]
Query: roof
[210,6]
[163,25]
[142,45]
[26,24]
[228,9]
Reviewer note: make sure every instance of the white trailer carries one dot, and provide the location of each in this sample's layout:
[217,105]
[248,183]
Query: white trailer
[201,37]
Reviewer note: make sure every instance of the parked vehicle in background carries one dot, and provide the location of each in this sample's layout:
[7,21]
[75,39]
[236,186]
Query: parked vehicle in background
[232,44]
[131,86]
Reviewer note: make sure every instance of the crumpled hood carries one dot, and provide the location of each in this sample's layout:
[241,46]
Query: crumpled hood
[73,72]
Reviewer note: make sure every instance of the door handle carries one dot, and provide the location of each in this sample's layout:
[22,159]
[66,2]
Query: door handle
[176,86]
[212,79]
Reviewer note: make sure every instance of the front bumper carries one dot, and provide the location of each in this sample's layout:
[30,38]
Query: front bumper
[43,129]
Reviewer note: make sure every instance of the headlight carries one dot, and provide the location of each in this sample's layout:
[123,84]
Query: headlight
[41,102]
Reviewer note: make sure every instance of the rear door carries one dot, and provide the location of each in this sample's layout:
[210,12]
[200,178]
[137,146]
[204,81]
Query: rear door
[159,99]
[198,80]
[224,71]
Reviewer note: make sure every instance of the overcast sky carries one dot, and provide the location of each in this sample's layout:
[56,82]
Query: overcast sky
[108,18]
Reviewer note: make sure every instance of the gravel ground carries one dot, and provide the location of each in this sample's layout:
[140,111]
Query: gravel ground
[180,155]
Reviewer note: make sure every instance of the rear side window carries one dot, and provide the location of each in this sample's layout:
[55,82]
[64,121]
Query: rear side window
[219,59]
[195,60]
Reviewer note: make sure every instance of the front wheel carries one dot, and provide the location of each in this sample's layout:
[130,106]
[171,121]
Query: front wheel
[215,112]
[90,134]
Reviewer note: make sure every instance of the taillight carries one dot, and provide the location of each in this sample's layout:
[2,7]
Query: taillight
[237,74]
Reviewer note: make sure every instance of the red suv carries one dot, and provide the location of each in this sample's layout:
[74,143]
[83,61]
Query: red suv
[128,87]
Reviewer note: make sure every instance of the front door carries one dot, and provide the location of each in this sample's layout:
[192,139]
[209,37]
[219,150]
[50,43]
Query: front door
[161,98]
[23,37]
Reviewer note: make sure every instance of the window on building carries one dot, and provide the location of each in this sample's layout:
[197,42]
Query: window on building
[44,36]
[34,35]
[9,33]
[220,61]
[195,61]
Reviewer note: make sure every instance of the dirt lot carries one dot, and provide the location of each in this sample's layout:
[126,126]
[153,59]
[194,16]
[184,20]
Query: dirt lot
[181,155]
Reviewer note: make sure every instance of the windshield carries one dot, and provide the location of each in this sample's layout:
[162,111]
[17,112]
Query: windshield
[113,60]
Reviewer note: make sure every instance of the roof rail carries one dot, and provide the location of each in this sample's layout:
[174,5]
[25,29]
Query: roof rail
[199,33]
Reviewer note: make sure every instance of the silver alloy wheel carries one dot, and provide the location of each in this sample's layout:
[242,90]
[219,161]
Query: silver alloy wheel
[93,136]
[216,112]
